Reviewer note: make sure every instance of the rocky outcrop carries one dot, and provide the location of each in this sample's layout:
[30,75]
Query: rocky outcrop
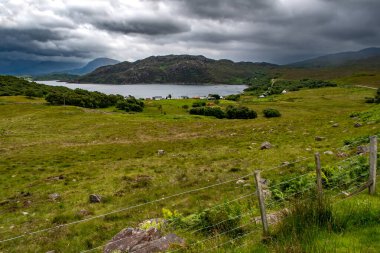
[141,241]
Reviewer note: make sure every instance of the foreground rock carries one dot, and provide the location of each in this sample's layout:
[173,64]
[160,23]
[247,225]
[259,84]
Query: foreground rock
[141,241]
[265,145]
[95,198]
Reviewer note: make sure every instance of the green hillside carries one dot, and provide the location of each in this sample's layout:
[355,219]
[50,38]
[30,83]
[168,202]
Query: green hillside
[177,69]
[74,152]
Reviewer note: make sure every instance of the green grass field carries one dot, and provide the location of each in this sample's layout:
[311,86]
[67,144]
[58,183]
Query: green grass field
[75,152]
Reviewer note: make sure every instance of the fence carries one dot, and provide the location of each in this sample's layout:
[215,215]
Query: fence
[359,180]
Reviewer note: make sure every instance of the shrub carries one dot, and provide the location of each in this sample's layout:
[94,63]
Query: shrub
[208,111]
[185,107]
[199,104]
[233,97]
[243,112]
[271,113]
[130,104]
[216,96]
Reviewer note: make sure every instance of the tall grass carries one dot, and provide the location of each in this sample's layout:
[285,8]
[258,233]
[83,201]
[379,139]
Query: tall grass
[315,218]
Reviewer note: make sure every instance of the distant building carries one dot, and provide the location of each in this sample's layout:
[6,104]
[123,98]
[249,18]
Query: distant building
[184,97]
[157,97]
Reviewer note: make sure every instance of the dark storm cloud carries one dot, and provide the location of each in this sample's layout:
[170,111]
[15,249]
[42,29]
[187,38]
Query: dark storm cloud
[255,30]
[146,27]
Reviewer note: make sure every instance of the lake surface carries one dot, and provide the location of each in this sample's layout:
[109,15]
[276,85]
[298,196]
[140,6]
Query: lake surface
[151,90]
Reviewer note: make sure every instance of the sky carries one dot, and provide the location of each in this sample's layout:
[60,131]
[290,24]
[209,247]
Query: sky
[276,31]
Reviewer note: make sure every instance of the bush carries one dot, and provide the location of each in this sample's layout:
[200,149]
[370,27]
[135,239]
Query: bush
[199,104]
[208,111]
[271,113]
[216,96]
[243,112]
[130,104]
[233,97]
[185,107]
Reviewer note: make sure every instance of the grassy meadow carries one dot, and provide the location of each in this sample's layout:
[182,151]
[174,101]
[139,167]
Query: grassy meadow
[75,152]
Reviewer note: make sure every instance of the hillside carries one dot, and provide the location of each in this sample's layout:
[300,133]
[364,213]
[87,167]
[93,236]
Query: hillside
[177,69]
[339,59]
[53,157]
[92,65]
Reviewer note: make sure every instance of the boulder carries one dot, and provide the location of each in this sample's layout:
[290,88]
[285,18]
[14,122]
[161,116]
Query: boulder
[362,150]
[54,196]
[335,125]
[328,152]
[265,145]
[160,152]
[319,138]
[95,198]
[240,181]
[357,124]
[141,241]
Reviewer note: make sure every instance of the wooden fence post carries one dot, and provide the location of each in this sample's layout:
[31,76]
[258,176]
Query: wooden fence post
[372,165]
[260,196]
[318,169]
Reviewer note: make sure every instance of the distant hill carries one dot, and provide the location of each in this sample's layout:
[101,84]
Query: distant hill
[366,56]
[176,69]
[34,67]
[91,66]
[38,68]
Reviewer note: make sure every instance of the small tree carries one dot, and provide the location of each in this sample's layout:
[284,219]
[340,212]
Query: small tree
[271,113]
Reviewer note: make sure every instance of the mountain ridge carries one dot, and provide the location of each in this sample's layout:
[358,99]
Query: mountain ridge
[338,59]
[175,69]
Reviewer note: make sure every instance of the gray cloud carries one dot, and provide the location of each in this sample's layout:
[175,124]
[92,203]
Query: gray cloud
[146,27]
[251,30]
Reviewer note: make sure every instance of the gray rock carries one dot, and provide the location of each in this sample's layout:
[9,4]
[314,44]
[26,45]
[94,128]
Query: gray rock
[160,152]
[240,181]
[54,196]
[141,241]
[286,163]
[265,145]
[95,198]
[357,124]
[328,152]
[319,138]
[362,150]
[335,125]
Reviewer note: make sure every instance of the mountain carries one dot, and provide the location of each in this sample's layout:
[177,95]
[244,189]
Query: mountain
[34,67]
[340,59]
[38,68]
[92,65]
[176,69]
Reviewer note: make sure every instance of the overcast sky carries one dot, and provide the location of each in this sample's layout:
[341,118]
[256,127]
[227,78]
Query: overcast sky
[278,31]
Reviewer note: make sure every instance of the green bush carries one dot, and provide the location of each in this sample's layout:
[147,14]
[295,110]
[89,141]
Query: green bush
[199,104]
[243,112]
[232,97]
[208,111]
[130,104]
[271,113]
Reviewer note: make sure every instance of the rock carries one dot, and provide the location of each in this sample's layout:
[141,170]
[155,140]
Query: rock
[84,212]
[50,251]
[160,152]
[25,213]
[94,198]
[286,163]
[141,241]
[265,145]
[247,185]
[357,124]
[335,125]
[362,150]
[328,152]
[54,196]
[341,154]
[319,138]
[308,149]
[240,181]
[27,203]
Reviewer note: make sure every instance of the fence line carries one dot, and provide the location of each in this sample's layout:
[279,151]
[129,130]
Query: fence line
[196,190]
